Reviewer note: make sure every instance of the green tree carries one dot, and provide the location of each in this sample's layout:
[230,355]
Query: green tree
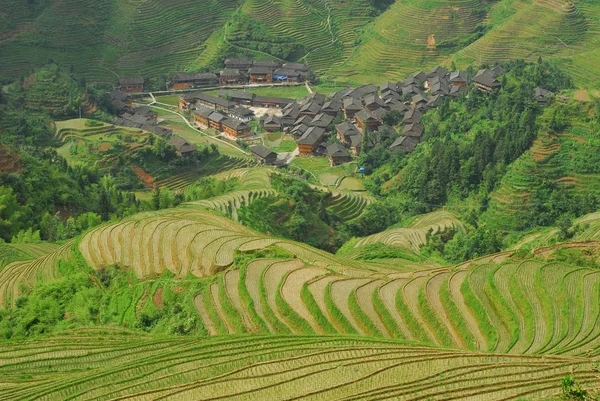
[156,198]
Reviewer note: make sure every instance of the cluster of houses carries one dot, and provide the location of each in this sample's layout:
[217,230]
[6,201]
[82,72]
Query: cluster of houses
[143,117]
[313,120]
[236,71]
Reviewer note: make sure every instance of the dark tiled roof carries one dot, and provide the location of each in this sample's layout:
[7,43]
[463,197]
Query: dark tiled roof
[236,95]
[271,99]
[312,136]
[266,63]
[261,151]
[215,116]
[337,150]
[203,111]
[296,66]
[437,71]
[234,124]
[286,72]
[487,77]
[321,120]
[242,112]
[365,115]
[352,104]
[414,130]
[260,70]
[458,76]
[131,81]
[118,95]
[231,72]
[405,142]
[181,144]
[238,61]
[347,129]
[193,76]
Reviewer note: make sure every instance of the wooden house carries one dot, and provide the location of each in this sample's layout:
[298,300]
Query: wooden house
[235,128]
[321,120]
[264,154]
[182,147]
[232,76]
[186,80]
[270,64]
[458,78]
[272,124]
[260,74]
[404,143]
[351,107]
[486,80]
[201,115]
[331,107]
[286,75]
[413,130]
[146,111]
[244,98]
[131,84]
[200,98]
[412,116]
[366,121]
[543,96]
[373,102]
[309,141]
[337,154]
[241,113]
[215,120]
[242,64]
[419,101]
[271,101]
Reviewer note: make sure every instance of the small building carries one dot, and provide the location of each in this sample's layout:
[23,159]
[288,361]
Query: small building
[388,87]
[200,98]
[296,67]
[337,154]
[272,124]
[235,128]
[413,130]
[232,76]
[321,120]
[331,108]
[410,90]
[298,130]
[345,130]
[186,80]
[243,64]
[241,113]
[457,90]
[290,114]
[245,98]
[351,107]
[355,144]
[367,121]
[131,84]
[121,102]
[271,101]
[486,80]
[202,114]
[419,101]
[439,86]
[310,109]
[309,141]
[412,116]
[373,102]
[146,111]
[286,75]
[543,96]
[270,64]
[404,143]
[434,101]
[458,78]
[260,74]
[215,120]
[182,147]
[264,154]
[438,71]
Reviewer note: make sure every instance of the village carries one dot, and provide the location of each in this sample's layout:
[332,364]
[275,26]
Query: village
[331,126]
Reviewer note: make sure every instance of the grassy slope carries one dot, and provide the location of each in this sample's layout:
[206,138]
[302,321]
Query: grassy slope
[160,37]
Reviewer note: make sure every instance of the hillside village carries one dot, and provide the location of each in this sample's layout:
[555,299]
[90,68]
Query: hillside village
[332,126]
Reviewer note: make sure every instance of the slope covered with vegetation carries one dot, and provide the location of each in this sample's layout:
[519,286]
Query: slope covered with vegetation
[352,41]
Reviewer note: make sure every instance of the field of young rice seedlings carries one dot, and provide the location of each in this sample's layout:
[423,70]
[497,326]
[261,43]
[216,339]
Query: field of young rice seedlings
[82,365]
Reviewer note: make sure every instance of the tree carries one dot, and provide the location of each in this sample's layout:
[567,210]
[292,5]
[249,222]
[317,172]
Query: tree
[156,198]
[564,226]
[572,391]
[11,214]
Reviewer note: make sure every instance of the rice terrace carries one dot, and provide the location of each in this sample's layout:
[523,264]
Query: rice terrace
[300,200]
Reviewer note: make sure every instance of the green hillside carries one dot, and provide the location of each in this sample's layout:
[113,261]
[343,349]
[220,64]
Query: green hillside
[348,41]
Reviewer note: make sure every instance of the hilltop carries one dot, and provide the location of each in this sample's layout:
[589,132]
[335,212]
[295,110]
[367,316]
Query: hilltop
[350,41]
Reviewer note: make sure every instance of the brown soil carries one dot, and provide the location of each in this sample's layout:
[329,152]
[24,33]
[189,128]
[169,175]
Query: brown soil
[104,146]
[582,95]
[157,298]
[178,289]
[144,176]
[9,160]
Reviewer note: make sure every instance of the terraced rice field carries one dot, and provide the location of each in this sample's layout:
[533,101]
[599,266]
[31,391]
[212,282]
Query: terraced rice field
[347,204]
[77,128]
[185,240]
[16,276]
[414,235]
[529,307]
[82,365]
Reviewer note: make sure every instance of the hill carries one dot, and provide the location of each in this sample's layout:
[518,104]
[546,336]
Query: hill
[134,366]
[155,38]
